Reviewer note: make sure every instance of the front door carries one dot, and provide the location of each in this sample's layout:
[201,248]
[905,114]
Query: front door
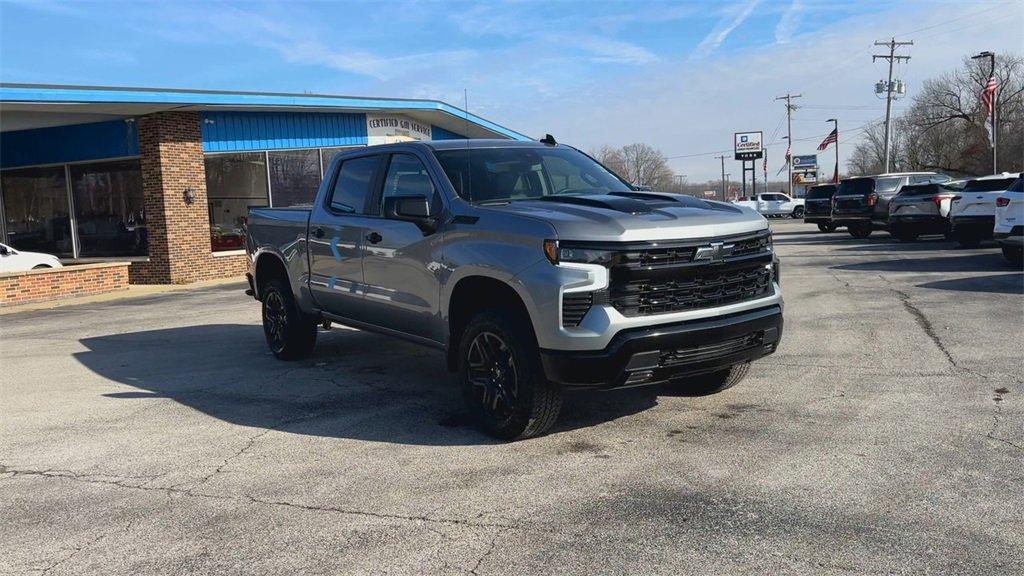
[337,229]
[400,261]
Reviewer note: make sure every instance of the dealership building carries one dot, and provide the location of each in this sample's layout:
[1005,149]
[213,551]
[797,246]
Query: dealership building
[164,178]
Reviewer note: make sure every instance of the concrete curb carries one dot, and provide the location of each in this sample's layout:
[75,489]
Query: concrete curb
[134,291]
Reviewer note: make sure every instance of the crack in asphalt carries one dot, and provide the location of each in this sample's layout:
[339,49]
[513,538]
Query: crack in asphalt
[247,498]
[488,552]
[925,325]
[996,417]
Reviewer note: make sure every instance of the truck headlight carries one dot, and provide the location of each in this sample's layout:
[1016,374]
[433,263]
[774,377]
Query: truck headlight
[568,253]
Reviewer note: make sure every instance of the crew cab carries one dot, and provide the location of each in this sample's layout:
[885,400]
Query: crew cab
[818,207]
[531,266]
[862,204]
[921,209]
[1009,228]
[774,204]
[972,214]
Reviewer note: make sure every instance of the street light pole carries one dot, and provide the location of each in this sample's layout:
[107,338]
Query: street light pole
[835,122]
[991,73]
[722,158]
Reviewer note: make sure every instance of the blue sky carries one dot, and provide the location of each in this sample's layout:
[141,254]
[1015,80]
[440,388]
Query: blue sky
[682,76]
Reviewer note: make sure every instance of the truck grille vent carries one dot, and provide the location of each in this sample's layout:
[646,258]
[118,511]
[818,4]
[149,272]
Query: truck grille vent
[575,306]
[651,257]
[703,287]
[710,351]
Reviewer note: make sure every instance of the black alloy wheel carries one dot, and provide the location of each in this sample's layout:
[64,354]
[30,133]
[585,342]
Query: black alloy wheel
[275,321]
[492,375]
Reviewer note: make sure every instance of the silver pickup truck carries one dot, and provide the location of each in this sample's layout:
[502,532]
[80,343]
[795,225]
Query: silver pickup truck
[529,264]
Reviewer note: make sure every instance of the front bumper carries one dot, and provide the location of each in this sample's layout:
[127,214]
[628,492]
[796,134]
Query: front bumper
[659,353]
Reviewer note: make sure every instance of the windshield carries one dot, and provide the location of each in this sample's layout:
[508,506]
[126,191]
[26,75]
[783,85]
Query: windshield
[513,173]
[994,185]
[819,192]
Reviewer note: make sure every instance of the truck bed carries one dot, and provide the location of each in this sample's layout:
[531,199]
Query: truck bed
[279,227]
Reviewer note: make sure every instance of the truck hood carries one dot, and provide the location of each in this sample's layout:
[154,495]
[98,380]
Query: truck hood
[637,216]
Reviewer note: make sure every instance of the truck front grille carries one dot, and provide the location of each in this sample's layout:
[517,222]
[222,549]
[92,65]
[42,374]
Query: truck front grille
[653,278]
[703,288]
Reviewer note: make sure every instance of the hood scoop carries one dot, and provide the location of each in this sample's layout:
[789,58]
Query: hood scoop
[606,201]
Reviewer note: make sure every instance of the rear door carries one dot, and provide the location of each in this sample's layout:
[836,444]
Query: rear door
[337,228]
[401,261]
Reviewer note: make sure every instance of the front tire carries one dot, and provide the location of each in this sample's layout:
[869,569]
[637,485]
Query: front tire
[798,212]
[1014,255]
[502,380]
[859,231]
[716,381]
[826,227]
[290,334]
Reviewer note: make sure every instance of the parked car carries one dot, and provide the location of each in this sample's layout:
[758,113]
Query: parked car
[533,267]
[862,204]
[1009,228]
[972,214]
[774,204]
[818,206]
[12,260]
[921,209]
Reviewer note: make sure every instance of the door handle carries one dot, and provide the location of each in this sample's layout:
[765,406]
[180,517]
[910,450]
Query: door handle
[318,232]
[374,237]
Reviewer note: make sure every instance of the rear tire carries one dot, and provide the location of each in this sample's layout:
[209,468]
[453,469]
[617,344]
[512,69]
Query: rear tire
[968,240]
[716,381]
[290,334]
[859,231]
[501,377]
[1013,255]
[798,212]
[829,227]
[905,235]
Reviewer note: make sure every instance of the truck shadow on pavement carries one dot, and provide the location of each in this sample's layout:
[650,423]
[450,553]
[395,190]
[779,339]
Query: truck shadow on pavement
[356,384]
[979,262]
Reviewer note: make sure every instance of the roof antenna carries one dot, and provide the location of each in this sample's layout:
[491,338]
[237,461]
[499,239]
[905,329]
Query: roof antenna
[469,165]
[548,140]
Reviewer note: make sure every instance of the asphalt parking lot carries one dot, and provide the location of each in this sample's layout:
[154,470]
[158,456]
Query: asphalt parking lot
[157,435]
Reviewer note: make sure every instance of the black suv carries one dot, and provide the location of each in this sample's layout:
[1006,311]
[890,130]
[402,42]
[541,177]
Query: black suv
[862,204]
[818,207]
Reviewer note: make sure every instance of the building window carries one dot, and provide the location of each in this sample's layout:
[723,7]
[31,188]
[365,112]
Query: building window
[35,208]
[234,184]
[294,176]
[329,153]
[109,214]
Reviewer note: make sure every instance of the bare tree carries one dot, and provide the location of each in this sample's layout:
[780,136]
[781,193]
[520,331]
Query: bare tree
[639,164]
[945,127]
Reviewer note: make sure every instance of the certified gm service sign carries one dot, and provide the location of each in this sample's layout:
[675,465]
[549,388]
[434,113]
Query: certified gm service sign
[748,146]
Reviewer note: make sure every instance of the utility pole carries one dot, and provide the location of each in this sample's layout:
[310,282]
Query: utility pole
[789,135]
[991,75]
[722,158]
[889,87]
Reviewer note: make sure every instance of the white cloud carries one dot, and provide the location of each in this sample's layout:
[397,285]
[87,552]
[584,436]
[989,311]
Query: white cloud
[788,22]
[725,27]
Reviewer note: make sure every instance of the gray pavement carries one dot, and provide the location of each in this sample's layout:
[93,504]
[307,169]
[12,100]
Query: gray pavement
[158,436]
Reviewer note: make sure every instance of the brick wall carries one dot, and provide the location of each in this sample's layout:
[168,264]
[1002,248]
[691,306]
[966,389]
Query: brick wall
[68,282]
[170,144]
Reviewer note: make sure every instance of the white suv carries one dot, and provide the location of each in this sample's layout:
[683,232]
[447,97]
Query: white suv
[972,213]
[1009,228]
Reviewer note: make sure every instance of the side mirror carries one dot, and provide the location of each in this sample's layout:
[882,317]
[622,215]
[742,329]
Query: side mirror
[415,209]
[4,251]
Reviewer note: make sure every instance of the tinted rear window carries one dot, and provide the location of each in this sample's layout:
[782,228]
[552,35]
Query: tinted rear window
[994,185]
[863,186]
[920,190]
[818,192]
[1018,186]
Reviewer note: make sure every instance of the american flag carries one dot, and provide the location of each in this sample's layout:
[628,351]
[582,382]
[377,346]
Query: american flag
[830,139]
[988,94]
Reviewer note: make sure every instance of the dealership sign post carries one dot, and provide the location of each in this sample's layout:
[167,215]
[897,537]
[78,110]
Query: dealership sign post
[747,148]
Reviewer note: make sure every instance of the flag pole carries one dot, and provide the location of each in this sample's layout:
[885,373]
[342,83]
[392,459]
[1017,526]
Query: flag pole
[835,122]
[992,110]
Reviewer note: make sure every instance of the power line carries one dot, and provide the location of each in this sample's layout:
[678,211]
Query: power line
[892,58]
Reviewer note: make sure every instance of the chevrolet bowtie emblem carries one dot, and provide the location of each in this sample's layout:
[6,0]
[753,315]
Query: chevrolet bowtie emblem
[714,251]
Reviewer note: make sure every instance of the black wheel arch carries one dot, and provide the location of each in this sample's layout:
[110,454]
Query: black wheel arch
[472,295]
[268,267]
